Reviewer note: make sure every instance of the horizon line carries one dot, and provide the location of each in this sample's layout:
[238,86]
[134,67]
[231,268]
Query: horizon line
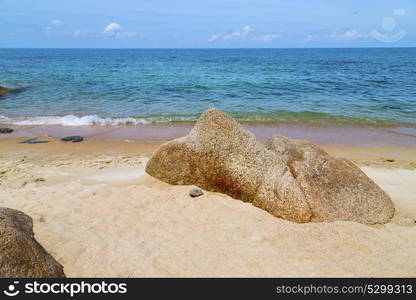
[205,48]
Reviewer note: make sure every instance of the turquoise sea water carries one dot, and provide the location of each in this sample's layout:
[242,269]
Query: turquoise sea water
[115,87]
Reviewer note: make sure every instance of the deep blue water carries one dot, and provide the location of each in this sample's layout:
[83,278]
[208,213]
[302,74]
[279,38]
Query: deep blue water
[74,86]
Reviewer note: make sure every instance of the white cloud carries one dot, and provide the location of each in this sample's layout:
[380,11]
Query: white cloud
[348,35]
[238,34]
[112,29]
[215,37]
[78,33]
[57,22]
[232,36]
[116,30]
[247,29]
[270,37]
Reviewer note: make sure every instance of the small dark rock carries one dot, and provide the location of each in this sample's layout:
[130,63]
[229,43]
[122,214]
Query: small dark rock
[28,141]
[73,138]
[4,91]
[6,130]
[34,141]
[196,193]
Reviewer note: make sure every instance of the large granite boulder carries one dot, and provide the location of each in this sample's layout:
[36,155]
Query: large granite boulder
[20,254]
[334,188]
[219,155]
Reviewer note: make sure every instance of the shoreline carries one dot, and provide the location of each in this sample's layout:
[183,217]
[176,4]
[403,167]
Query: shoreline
[386,156]
[323,134]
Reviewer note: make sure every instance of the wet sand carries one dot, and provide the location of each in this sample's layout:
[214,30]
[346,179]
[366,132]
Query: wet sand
[334,134]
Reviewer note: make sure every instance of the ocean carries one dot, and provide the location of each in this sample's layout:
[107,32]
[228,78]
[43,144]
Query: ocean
[76,87]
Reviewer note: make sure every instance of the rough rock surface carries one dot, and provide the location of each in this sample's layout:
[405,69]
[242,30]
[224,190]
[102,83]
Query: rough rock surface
[20,254]
[334,188]
[219,155]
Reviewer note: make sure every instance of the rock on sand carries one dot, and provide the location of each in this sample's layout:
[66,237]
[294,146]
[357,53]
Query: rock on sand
[334,188]
[293,180]
[20,254]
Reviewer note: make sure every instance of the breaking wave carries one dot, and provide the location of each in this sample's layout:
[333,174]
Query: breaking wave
[71,120]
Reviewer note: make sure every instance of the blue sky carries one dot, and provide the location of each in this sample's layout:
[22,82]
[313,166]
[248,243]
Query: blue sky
[207,23]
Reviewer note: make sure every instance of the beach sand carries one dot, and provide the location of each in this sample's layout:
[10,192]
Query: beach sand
[99,214]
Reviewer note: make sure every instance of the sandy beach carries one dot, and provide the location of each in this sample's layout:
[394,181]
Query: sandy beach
[100,215]
[209,139]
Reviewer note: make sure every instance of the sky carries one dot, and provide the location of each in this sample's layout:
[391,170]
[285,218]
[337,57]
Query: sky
[207,23]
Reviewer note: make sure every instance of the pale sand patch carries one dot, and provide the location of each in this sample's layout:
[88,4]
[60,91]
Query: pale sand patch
[401,185]
[101,215]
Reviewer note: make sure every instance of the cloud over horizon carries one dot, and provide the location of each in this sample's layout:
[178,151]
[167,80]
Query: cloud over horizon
[270,37]
[115,30]
[232,36]
[351,34]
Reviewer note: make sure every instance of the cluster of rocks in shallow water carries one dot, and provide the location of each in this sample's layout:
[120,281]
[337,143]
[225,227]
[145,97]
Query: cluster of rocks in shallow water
[291,179]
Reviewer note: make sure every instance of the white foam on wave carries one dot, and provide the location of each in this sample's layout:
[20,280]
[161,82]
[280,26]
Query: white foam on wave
[71,120]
